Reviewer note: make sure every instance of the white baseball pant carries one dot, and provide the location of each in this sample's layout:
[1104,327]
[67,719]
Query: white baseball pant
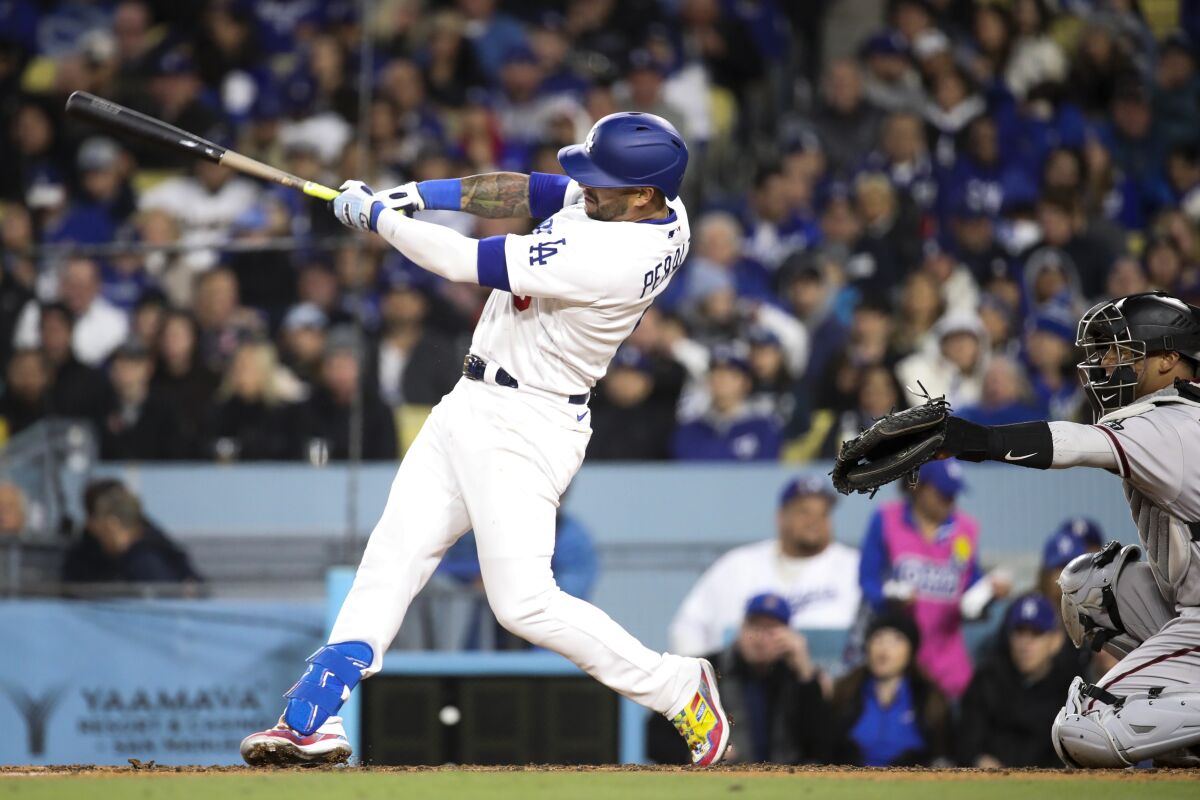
[498,459]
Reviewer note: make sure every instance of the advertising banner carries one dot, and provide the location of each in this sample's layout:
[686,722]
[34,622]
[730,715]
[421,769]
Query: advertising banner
[169,681]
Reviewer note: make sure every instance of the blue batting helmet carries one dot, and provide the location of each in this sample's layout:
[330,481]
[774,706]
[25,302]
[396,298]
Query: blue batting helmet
[628,149]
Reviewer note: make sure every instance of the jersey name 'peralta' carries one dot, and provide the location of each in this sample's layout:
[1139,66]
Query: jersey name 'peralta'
[1158,455]
[578,288]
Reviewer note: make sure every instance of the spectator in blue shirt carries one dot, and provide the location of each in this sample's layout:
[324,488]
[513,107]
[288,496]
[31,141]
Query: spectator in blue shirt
[780,219]
[885,712]
[1136,145]
[809,293]
[730,430]
[493,34]
[1049,347]
[718,246]
[1176,94]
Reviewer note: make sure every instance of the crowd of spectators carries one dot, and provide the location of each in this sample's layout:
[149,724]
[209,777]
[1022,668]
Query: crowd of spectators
[881,192]
[833,654]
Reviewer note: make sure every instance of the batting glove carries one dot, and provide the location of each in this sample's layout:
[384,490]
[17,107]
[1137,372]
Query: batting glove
[357,206]
[405,198]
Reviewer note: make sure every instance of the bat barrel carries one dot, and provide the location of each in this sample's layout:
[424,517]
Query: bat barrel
[119,119]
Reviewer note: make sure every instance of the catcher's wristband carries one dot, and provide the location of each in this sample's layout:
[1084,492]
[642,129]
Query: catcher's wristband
[1026,444]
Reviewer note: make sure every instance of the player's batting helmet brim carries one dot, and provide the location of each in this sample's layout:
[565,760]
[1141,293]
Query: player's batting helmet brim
[576,163]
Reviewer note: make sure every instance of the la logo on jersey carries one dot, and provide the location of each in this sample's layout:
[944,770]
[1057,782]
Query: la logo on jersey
[540,252]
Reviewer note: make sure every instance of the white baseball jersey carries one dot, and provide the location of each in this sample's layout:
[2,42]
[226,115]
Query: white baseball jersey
[821,590]
[1156,444]
[568,294]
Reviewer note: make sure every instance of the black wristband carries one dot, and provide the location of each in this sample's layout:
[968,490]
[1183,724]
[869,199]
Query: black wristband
[1026,444]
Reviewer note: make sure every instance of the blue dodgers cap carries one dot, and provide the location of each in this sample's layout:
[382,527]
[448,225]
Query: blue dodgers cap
[171,58]
[762,337]
[884,43]
[946,476]
[1086,529]
[520,54]
[769,604]
[629,356]
[1074,537]
[807,486]
[1054,322]
[305,316]
[1033,612]
[733,354]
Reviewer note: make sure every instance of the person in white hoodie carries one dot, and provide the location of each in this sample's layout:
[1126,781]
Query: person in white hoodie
[954,365]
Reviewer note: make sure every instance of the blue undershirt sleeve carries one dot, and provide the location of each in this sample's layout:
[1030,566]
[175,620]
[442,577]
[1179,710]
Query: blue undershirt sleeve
[492,265]
[546,194]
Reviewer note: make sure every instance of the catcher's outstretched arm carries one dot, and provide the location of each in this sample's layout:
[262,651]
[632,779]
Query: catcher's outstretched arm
[1078,445]
[1040,445]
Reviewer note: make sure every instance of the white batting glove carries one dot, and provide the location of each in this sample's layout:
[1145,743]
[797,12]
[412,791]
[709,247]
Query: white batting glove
[355,207]
[405,198]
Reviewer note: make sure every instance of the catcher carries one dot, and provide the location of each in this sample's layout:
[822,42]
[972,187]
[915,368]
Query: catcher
[1141,374]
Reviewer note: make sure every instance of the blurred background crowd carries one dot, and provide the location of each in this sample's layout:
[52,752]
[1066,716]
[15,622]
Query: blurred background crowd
[887,197]
[881,193]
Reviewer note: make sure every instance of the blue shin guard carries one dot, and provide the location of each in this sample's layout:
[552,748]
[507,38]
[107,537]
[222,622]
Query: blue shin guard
[333,672]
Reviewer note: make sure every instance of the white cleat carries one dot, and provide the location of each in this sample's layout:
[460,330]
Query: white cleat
[283,747]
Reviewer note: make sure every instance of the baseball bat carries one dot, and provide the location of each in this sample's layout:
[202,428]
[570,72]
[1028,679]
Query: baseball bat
[119,119]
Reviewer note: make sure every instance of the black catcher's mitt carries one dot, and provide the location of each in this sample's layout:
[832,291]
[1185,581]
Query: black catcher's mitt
[895,446]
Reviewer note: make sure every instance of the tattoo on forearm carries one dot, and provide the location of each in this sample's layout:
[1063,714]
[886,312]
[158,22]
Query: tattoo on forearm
[496,195]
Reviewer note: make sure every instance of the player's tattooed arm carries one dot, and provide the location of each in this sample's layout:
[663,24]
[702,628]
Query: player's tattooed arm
[496,195]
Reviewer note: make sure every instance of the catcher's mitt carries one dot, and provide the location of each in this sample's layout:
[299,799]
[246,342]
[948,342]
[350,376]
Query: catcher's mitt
[895,446]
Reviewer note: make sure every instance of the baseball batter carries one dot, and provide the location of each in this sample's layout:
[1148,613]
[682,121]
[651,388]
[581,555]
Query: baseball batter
[498,452]
[1141,373]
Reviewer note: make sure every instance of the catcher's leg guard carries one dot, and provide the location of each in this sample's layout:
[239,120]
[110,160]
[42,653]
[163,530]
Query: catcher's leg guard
[332,673]
[1121,731]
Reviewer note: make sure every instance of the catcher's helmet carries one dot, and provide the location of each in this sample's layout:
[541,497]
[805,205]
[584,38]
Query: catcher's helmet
[628,149]
[1117,334]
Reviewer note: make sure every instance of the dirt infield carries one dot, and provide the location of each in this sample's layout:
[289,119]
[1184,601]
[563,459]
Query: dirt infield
[743,770]
[146,781]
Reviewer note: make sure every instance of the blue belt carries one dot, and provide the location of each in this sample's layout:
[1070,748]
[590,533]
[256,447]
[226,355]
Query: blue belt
[474,368]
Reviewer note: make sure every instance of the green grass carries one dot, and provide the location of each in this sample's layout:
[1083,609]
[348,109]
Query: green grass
[447,785]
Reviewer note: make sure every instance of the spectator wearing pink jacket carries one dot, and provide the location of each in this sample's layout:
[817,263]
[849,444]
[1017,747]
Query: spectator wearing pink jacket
[923,553]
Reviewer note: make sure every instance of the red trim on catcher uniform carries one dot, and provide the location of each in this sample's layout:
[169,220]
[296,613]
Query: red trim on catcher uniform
[1140,667]
[1120,450]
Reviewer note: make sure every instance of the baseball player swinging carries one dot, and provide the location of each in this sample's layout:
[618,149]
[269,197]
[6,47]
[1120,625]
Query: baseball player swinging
[499,450]
[1141,373]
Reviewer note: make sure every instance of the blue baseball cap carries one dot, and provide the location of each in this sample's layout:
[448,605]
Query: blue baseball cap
[760,336]
[884,43]
[630,356]
[1074,537]
[1032,611]
[1055,322]
[945,475]
[769,604]
[1086,529]
[732,354]
[807,486]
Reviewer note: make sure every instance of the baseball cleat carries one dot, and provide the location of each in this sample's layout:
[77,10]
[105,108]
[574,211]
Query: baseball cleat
[283,747]
[702,723]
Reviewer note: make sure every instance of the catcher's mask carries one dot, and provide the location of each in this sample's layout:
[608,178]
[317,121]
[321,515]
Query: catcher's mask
[1117,335]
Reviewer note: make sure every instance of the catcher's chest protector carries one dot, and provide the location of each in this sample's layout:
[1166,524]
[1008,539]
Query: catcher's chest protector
[1158,443]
